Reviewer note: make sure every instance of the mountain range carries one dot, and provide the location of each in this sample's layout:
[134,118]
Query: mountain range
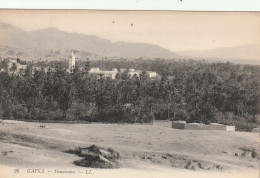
[52,43]
[238,54]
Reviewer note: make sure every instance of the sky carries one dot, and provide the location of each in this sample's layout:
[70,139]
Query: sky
[174,30]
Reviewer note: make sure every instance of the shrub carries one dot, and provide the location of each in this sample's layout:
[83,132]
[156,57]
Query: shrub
[20,112]
[54,115]
[38,114]
[181,114]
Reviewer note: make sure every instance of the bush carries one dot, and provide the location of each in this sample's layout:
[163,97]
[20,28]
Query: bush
[78,111]
[8,114]
[38,114]
[143,114]
[1,113]
[54,115]
[20,112]
[181,114]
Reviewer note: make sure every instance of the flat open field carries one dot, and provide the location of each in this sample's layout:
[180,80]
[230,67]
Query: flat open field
[147,150]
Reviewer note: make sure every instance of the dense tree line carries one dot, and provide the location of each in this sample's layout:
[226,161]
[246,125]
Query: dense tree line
[195,91]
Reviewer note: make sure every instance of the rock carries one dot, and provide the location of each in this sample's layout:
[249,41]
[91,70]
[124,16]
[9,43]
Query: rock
[97,157]
[247,153]
[96,150]
[96,162]
[43,126]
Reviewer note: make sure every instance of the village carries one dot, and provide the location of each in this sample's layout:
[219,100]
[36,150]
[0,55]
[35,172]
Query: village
[14,66]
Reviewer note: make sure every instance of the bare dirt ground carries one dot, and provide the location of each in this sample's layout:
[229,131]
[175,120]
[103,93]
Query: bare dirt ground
[147,150]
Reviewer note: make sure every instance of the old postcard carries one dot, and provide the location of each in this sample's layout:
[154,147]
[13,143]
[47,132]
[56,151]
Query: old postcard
[92,93]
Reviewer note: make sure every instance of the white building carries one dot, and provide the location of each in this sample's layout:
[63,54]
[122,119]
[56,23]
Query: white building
[97,71]
[14,66]
[133,72]
[94,69]
[151,74]
[112,74]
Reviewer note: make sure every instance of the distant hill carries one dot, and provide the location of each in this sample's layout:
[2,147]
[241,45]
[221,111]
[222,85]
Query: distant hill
[239,54]
[52,43]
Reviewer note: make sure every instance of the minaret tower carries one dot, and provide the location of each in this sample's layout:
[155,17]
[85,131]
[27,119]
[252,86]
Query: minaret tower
[72,63]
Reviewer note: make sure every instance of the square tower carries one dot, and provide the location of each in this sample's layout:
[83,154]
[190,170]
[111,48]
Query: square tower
[72,62]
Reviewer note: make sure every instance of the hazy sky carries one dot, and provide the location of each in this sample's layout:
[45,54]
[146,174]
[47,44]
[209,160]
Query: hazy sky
[176,31]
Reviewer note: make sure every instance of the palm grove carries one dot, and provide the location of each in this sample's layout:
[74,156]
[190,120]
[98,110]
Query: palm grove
[195,91]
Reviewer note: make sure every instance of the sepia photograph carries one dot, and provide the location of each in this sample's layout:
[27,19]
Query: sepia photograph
[110,93]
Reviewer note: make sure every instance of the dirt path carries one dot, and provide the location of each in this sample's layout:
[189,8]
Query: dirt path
[26,144]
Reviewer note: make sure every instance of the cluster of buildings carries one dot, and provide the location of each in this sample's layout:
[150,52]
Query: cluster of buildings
[112,74]
[107,73]
[15,67]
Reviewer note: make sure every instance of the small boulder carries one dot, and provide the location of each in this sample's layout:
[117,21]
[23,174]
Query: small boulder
[97,157]
[96,162]
[96,150]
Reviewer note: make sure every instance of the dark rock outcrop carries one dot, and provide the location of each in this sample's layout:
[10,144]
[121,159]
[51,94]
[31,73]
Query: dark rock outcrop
[97,157]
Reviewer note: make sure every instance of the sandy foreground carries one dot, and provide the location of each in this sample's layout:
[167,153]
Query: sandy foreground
[146,151]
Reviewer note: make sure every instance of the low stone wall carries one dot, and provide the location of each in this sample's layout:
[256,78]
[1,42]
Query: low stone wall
[163,123]
[256,130]
[230,128]
[178,125]
[196,126]
[199,126]
[215,126]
